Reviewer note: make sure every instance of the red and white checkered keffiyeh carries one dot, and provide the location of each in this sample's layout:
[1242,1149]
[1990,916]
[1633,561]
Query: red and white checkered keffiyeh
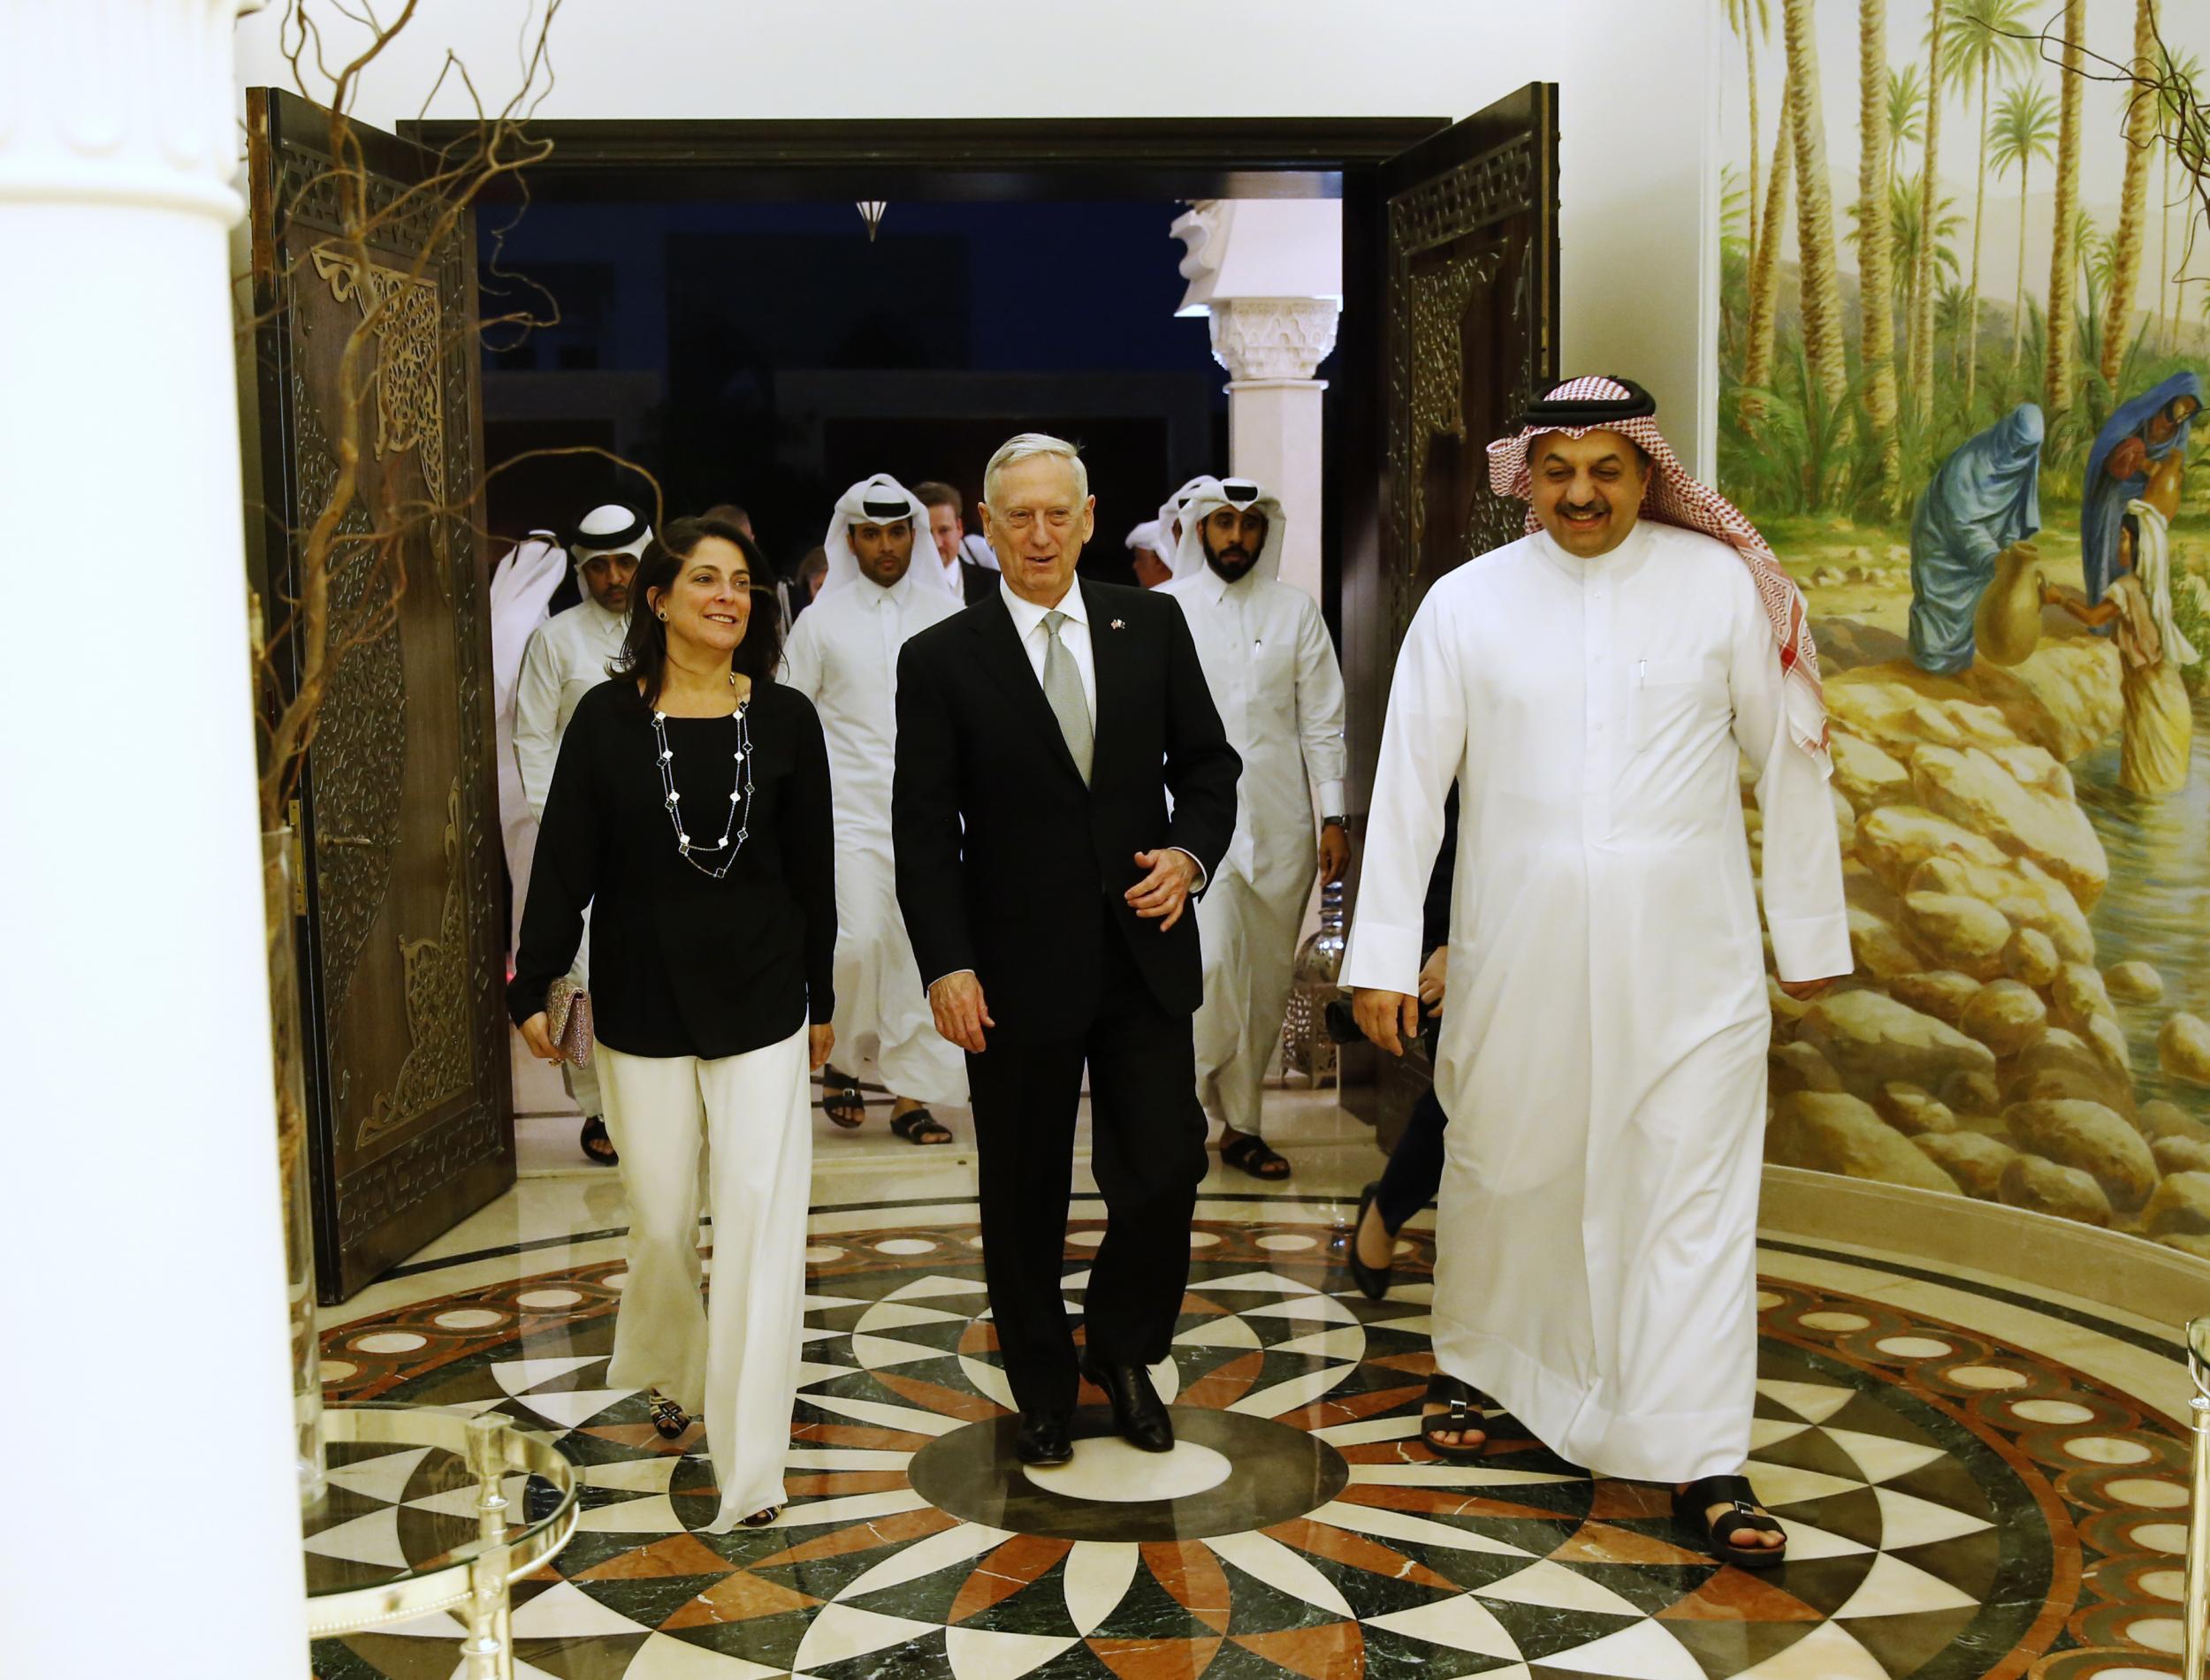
[1675,499]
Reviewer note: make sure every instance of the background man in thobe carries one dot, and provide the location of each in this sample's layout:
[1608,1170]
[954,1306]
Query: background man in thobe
[1046,886]
[565,660]
[521,587]
[1149,556]
[843,657]
[1274,676]
[1592,688]
[967,574]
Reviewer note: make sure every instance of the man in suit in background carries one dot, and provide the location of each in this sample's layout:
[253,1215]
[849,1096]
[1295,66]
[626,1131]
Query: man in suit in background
[965,575]
[1046,891]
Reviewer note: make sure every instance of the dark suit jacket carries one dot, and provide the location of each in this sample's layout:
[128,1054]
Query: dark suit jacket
[1004,855]
[979,582]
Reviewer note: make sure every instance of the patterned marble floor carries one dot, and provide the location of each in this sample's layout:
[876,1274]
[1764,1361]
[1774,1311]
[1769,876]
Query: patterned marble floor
[1958,1505]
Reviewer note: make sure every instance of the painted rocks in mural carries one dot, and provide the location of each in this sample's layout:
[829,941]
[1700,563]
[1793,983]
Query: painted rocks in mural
[1965,421]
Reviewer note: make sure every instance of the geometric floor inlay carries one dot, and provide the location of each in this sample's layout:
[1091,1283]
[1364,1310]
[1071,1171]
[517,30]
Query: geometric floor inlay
[1956,1507]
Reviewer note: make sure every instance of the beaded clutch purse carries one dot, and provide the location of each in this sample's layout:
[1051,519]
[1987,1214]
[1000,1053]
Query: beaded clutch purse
[568,1022]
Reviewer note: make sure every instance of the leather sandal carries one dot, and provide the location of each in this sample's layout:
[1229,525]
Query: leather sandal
[597,1144]
[669,1419]
[919,1126]
[842,1102]
[1691,1507]
[1248,1151]
[1464,1417]
[760,1519]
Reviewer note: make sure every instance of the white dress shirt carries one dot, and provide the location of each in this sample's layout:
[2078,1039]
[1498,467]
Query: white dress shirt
[1074,636]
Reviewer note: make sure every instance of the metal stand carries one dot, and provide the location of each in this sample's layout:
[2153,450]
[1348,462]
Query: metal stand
[2196,1639]
[489,1646]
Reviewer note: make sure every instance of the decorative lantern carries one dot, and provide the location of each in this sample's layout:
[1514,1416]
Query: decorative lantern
[870,211]
[1305,1046]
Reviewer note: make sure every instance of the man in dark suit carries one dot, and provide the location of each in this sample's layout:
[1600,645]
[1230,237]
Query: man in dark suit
[1046,889]
[967,578]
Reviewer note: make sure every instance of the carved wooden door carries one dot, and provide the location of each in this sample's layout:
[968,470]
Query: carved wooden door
[401,929]
[1471,299]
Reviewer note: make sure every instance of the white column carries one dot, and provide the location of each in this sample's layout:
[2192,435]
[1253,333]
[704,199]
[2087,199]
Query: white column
[148,1409]
[1271,347]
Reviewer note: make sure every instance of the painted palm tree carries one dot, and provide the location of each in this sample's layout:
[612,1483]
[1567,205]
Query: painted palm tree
[1938,79]
[2059,371]
[1875,279]
[2024,130]
[2098,260]
[1814,209]
[1765,262]
[2177,77]
[1987,38]
[2133,202]
[1906,115]
[1906,234]
[1751,20]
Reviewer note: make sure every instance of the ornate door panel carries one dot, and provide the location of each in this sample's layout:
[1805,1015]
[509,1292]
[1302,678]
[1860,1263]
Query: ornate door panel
[401,929]
[1471,299]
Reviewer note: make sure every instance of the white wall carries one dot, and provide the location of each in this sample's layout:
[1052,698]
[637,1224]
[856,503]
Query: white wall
[1637,102]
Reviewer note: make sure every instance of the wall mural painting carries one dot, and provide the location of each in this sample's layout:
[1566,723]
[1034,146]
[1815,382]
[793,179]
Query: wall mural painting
[1965,339]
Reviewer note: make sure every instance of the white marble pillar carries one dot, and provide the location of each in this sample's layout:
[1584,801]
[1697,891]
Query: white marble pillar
[1271,347]
[155,1520]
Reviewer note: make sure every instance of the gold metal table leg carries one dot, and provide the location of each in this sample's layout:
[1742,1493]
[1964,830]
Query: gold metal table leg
[2196,1634]
[489,1646]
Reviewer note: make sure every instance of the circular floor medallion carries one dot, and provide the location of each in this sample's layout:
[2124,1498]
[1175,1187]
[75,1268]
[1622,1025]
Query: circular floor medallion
[1266,1473]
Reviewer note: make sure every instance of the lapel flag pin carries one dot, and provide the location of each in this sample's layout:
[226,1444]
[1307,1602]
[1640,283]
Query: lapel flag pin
[1120,624]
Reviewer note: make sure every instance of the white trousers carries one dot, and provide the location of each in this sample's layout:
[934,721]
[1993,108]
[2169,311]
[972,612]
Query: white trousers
[1249,942]
[733,1361]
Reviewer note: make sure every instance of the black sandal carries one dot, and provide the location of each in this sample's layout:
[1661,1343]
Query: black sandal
[1249,1152]
[1465,1416]
[1691,1507]
[669,1418]
[597,1146]
[760,1519]
[840,1097]
[1373,1280]
[919,1126]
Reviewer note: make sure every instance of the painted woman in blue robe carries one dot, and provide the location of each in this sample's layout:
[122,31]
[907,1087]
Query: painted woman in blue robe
[1982,501]
[2141,433]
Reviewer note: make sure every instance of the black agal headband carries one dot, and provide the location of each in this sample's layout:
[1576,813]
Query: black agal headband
[1549,413]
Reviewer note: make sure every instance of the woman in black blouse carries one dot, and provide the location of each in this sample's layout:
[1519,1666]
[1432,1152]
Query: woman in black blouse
[690,810]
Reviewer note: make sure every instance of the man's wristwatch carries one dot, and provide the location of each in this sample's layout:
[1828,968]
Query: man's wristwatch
[1338,821]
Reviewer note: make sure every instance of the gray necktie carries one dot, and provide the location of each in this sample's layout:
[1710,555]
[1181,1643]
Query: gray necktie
[1062,688]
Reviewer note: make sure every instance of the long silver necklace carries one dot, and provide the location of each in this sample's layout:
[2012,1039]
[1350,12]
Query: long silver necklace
[734,831]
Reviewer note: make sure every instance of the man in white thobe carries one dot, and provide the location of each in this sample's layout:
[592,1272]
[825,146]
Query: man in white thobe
[1149,556]
[566,658]
[843,657]
[1274,678]
[522,582]
[1592,688]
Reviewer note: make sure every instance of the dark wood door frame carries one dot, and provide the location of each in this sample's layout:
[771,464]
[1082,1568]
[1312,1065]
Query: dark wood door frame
[1158,158]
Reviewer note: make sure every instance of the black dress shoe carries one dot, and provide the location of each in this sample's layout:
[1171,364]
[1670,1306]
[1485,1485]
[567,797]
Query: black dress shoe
[1043,1440]
[1139,1414]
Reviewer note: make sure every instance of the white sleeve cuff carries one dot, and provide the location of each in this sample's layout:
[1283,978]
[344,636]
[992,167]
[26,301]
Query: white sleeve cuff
[1812,947]
[1383,956]
[1331,799]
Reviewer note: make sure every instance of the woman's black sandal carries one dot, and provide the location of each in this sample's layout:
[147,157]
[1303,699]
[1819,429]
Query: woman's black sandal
[669,1418]
[597,1146]
[1373,1280]
[1248,1151]
[842,1102]
[1463,1418]
[1691,1507]
[760,1519]
[919,1126]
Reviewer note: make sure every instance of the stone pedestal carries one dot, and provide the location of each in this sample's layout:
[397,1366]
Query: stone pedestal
[146,1338]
